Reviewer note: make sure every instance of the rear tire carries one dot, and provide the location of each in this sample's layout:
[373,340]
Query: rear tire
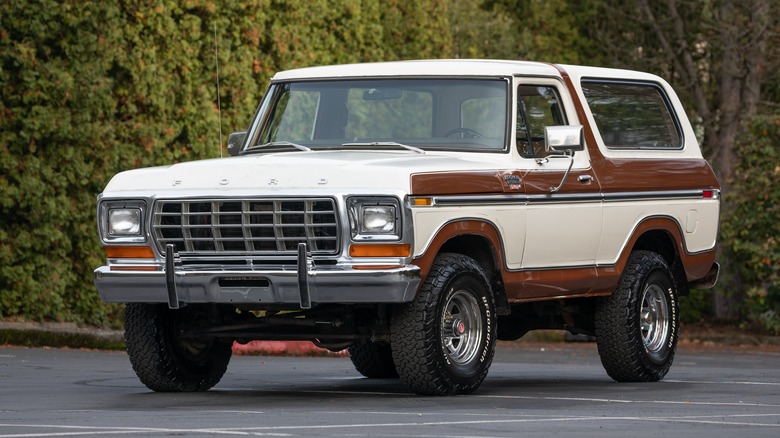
[165,362]
[443,341]
[638,326]
[373,360]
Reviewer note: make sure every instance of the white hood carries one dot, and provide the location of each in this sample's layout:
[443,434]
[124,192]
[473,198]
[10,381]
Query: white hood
[299,170]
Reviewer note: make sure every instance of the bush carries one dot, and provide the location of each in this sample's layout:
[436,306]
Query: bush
[751,226]
[88,89]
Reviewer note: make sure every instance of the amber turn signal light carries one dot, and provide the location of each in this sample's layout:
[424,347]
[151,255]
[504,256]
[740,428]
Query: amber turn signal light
[129,252]
[422,202]
[380,250]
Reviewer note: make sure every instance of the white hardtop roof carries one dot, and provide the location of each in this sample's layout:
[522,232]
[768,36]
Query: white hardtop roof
[456,67]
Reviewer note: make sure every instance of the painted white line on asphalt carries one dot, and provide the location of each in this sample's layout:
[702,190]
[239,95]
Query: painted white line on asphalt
[235,412]
[510,421]
[263,430]
[528,397]
[724,383]
[108,430]
[644,402]
[55,434]
[420,414]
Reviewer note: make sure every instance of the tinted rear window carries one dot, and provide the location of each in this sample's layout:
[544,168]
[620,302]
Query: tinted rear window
[631,115]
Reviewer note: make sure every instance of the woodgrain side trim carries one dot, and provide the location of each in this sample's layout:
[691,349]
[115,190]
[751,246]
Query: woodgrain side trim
[610,176]
[618,175]
[453,183]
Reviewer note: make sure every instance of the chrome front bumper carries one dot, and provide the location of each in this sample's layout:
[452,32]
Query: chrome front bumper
[299,286]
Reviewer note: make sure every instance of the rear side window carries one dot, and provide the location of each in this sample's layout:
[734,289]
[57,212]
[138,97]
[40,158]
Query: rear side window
[632,115]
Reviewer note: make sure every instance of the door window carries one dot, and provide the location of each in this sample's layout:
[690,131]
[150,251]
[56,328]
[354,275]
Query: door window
[538,106]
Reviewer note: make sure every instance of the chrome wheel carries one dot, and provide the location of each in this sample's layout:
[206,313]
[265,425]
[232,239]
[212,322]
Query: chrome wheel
[443,341]
[461,327]
[638,325]
[654,319]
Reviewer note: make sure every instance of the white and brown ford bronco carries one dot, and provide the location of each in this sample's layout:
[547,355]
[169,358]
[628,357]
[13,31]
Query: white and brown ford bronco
[415,213]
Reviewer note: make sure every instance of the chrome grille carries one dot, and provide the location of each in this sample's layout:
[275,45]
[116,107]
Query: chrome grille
[254,226]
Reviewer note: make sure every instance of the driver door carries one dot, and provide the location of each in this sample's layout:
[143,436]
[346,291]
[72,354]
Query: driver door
[564,215]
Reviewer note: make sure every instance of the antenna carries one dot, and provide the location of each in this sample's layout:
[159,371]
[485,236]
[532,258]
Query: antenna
[219,103]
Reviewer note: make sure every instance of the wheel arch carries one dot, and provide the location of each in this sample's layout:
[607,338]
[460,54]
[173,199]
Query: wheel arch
[475,238]
[664,236]
[663,243]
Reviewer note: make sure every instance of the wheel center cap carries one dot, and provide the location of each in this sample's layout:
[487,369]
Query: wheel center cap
[459,327]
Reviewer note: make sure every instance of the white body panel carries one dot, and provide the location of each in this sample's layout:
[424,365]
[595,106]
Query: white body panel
[562,235]
[510,221]
[621,218]
[301,170]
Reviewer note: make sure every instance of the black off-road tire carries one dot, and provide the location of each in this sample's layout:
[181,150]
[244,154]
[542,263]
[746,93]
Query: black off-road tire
[637,327]
[373,360]
[443,341]
[165,363]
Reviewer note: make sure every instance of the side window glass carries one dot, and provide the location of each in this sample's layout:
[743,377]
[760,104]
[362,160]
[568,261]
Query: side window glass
[537,107]
[632,115]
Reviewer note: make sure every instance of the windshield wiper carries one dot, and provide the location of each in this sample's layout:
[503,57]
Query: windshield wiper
[386,143]
[271,144]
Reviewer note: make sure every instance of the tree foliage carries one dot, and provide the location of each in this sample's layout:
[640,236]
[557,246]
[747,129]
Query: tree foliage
[58,142]
[718,54]
[88,89]
[751,231]
[549,30]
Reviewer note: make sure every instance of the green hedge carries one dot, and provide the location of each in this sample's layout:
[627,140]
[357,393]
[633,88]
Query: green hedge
[88,89]
[751,222]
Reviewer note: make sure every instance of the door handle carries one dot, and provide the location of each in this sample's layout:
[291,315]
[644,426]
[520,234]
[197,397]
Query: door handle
[584,178]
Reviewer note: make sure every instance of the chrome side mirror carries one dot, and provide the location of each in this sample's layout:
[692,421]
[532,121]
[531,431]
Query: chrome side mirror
[235,141]
[564,139]
[562,142]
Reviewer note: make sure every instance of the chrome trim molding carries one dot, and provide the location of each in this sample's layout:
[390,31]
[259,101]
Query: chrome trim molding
[279,286]
[465,200]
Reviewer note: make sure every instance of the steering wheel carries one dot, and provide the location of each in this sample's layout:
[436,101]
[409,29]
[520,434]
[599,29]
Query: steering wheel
[465,133]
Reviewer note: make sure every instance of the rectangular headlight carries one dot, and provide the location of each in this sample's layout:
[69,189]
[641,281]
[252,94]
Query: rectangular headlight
[374,218]
[377,219]
[124,222]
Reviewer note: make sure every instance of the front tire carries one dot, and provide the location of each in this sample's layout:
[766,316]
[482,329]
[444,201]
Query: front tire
[638,326]
[443,341]
[165,362]
[373,360]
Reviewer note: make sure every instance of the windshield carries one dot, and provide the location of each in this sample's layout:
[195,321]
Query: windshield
[429,114]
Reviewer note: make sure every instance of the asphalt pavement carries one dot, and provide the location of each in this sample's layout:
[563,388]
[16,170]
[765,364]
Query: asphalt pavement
[532,390]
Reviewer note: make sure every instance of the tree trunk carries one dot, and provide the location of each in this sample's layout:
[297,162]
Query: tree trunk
[743,39]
